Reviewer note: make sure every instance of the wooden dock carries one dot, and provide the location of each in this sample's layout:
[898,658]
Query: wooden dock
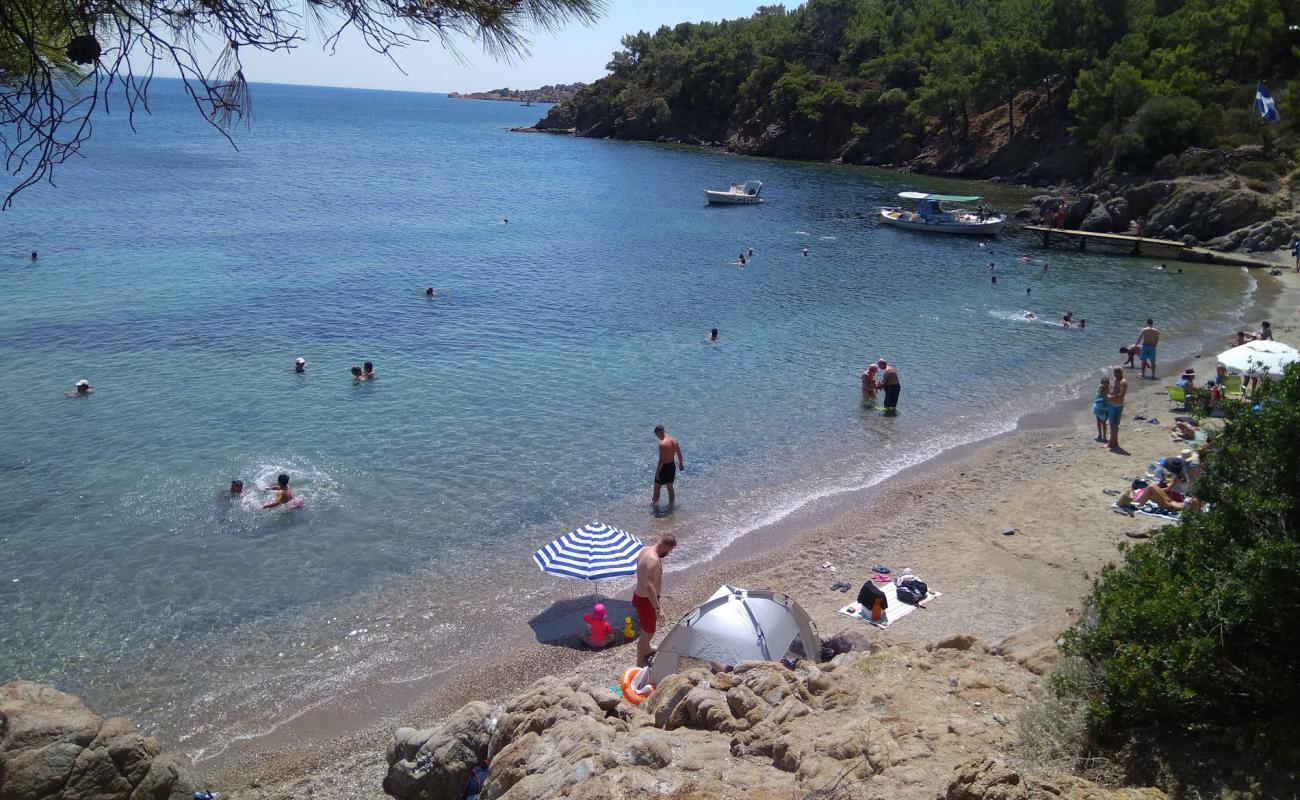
[1144,246]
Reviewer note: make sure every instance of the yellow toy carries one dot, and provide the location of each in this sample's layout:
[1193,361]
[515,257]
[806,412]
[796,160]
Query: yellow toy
[628,633]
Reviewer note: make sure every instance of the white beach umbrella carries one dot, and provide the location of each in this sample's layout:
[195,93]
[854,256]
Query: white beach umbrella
[1259,358]
[593,552]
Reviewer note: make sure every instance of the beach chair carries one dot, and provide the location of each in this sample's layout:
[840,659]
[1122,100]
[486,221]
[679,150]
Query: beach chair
[1232,385]
[1177,394]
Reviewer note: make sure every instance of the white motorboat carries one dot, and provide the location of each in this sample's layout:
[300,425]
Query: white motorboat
[739,194]
[930,215]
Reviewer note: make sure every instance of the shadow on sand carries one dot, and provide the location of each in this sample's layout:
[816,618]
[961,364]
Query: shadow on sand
[561,623]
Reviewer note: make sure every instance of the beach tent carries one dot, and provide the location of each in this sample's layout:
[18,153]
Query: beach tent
[737,625]
[1259,358]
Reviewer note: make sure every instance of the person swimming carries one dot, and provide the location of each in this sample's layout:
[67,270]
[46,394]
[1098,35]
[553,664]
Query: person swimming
[740,259]
[82,389]
[300,365]
[805,251]
[368,370]
[236,488]
[283,494]
[1030,315]
[429,292]
[751,252]
[357,377]
[713,335]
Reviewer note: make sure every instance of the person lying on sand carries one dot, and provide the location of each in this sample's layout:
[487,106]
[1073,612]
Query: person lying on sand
[1143,492]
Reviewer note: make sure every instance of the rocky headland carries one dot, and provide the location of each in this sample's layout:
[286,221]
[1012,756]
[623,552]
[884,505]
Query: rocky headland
[1225,200]
[558,93]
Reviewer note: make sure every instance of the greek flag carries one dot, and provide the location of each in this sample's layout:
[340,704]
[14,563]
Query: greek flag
[1264,104]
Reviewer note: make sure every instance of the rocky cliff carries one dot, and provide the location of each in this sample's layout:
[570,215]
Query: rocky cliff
[1202,197]
[889,721]
[54,748]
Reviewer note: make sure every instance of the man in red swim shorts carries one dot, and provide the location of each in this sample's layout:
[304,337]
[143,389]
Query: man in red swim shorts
[645,598]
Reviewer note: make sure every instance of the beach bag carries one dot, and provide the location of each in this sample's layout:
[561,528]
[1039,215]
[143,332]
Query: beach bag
[474,786]
[913,591]
[869,594]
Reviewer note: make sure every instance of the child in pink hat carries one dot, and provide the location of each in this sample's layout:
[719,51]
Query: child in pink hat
[598,628]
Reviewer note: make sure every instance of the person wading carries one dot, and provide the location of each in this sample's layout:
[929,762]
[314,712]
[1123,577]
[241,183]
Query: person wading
[645,598]
[890,384]
[666,470]
[1147,340]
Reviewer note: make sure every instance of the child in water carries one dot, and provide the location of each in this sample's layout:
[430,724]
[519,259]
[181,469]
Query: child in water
[869,385]
[1100,408]
[283,494]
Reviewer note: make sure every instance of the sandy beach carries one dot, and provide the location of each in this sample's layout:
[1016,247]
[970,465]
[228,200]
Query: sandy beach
[946,520]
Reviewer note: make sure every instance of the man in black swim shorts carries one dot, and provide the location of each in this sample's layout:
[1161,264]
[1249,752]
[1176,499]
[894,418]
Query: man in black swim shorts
[666,470]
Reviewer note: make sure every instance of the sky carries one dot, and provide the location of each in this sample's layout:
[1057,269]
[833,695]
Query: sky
[577,53]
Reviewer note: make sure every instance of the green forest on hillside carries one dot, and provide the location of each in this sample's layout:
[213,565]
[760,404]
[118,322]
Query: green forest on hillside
[1131,80]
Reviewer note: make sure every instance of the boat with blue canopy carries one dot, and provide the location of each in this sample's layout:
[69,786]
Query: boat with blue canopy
[931,214]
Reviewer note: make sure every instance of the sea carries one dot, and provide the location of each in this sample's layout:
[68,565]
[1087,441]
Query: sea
[576,281]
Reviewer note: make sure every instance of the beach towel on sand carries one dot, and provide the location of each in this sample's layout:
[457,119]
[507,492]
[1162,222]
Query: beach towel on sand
[896,610]
[1148,510]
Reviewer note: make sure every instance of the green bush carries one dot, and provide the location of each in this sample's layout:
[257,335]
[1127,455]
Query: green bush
[1258,171]
[1161,126]
[1202,622]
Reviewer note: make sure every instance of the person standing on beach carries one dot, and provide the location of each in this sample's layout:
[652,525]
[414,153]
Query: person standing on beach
[889,382]
[645,597]
[1115,406]
[1147,340]
[666,470]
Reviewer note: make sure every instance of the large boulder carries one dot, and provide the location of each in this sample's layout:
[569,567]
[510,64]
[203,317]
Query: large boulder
[435,764]
[1098,220]
[52,747]
[1077,211]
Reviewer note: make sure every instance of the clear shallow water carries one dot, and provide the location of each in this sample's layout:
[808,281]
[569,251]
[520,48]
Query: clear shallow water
[182,278]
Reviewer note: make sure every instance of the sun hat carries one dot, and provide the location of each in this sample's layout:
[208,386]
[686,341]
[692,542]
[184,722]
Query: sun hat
[598,611]
[302,361]
[83,382]
[880,362]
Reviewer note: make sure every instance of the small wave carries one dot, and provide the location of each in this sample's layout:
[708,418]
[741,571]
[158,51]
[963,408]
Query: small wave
[828,238]
[803,233]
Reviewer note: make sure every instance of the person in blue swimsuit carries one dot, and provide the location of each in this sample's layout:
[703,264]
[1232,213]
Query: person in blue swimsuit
[1147,340]
[1101,409]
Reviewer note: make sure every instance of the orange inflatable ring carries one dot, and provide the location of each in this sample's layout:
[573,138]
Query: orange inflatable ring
[630,693]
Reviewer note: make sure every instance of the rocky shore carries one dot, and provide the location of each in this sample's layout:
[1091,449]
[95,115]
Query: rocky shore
[1203,197]
[558,93]
[54,748]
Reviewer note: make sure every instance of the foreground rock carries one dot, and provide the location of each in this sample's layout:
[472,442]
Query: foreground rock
[54,748]
[899,721]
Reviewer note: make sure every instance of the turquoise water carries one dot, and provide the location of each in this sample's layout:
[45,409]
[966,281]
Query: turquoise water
[182,278]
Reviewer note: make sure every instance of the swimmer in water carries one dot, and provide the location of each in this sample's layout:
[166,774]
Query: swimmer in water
[369,371]
[300,365]
[1068,319]
[1083,323]
[1030,315]
[713,335]
[33,255]
[805,251]
[283,494]
[82,389]
[740,259]
[357,377]
[430,292]
[751,252]
[505,221]
[995,279]
[992,266]
[236,488]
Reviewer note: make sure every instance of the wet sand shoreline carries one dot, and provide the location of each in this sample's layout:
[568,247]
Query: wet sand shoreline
[944,518]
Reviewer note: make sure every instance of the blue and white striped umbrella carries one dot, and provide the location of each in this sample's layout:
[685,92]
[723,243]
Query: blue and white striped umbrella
[593,552]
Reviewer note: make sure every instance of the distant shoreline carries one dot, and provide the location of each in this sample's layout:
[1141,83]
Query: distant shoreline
[549,94]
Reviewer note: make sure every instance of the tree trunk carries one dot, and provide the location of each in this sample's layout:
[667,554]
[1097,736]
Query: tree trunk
[965,122]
